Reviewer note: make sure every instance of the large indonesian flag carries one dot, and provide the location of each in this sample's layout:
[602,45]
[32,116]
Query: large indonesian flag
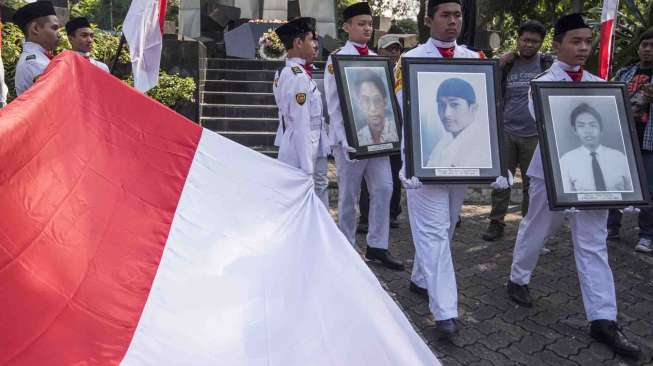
[143,30]
[608,24]
[131,235]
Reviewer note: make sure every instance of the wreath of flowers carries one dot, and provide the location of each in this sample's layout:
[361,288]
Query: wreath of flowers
[271,47]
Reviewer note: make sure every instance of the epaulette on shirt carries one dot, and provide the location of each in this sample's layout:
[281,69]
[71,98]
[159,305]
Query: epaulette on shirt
[30,57]
[336,50]
[296,70]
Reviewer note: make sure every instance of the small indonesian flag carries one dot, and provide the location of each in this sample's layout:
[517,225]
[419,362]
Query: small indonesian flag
[143,30]
[130,235]
[608,25]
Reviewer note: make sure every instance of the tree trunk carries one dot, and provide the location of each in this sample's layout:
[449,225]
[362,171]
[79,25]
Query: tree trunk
[577,6]
[421,29]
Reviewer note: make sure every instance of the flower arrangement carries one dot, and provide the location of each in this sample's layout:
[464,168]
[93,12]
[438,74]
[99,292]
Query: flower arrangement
[272,21]
[270,46]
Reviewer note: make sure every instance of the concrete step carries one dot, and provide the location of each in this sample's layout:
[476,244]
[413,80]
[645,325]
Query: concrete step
[238,86]
[240,124]
[266,99]
[250,138]
[240,111]
[271,151]
[243,75]
[243,64]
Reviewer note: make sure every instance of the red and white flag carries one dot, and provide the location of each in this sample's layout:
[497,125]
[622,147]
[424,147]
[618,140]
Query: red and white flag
[608,25]
[143,30]
[131,235]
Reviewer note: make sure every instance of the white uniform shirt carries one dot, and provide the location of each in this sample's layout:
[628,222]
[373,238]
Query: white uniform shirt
[97,63]
[578,174]
[554,73]
[466,150]
[300,109]
[337,134]
[30,66]
[388,135]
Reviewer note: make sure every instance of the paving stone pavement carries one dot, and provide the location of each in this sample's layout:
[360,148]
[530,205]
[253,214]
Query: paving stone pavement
[495,331]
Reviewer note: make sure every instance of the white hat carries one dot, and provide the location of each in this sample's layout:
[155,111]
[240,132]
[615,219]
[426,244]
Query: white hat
[387,40]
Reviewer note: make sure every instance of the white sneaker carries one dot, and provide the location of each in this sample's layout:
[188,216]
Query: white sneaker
[644,245]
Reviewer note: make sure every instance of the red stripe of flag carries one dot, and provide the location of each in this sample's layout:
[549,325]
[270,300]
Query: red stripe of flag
[162,14]
[88,193]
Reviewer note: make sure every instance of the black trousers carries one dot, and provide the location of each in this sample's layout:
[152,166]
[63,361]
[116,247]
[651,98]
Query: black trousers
[395,201]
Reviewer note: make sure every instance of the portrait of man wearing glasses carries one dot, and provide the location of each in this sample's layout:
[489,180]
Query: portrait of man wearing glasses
[371,99]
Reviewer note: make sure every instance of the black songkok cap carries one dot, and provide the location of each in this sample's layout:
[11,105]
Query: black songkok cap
[295,28]
[362,8]
[569,23]
[32,11]
[76,23]
[433,3]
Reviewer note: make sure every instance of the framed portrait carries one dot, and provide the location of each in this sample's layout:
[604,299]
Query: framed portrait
[369,107]
[589,145]
[451,117]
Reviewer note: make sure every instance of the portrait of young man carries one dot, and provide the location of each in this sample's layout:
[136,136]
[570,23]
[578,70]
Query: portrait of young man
[593,166]
[374,121]
[466,140]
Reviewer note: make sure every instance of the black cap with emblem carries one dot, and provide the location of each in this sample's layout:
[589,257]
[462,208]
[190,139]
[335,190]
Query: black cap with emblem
[295,28]
[433,3]
[362,8]
[568,23]
[75,24]
[33,11]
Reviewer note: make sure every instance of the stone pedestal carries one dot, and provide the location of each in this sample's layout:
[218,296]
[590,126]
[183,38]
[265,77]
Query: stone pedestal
[242,42]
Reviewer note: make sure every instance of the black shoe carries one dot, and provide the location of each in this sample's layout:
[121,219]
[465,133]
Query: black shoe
[383,256]
[446,328]
[608,332]
[494,231]
[520,294]
[459,222]
[421,291]
[613,234]
[362,228]
[394,223]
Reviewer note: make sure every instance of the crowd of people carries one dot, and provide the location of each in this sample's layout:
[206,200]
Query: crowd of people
[374,184]
[433,209]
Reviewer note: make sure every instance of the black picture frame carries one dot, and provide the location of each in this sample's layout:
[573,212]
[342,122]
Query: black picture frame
[348,69]
[569,174]
[426,136]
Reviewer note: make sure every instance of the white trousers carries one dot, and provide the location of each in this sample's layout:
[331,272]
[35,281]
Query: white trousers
[588,234]
[433,211]
[321,180]
[378,177]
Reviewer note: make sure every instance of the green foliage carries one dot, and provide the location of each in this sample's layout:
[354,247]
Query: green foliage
[171,89]
[407,26]
[12,39]
[86,8]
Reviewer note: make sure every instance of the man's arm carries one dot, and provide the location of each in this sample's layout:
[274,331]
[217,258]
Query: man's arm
[333,105]
[300,115]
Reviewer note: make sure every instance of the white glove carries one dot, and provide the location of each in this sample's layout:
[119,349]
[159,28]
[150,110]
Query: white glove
[502,182]
[412,183]
[571,211]
[348,149]
[630,209]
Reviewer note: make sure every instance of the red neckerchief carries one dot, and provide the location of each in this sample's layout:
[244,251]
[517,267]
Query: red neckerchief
[576,76]
[49,55]
[363,51]
[308,69]
[446,52]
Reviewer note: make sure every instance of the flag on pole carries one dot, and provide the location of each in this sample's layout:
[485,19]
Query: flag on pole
[608,25]
[132,236]
[143,30]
